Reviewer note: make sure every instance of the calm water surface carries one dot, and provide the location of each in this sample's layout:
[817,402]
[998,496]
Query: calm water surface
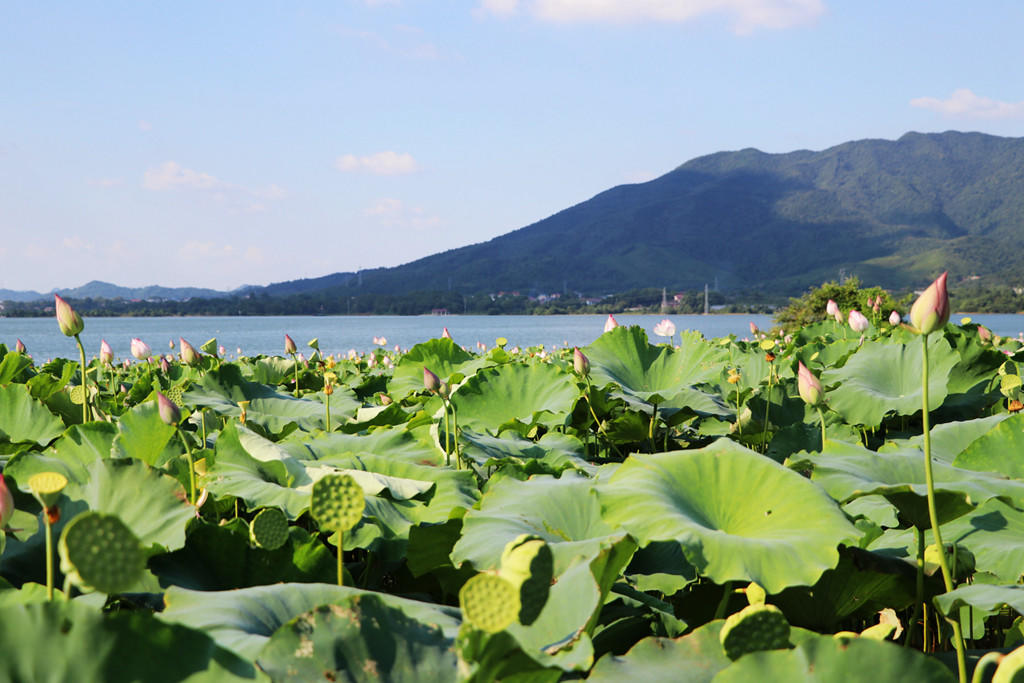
[338,334]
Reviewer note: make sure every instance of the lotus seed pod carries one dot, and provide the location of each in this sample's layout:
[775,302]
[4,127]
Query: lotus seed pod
[527,563]
[1011,668]
[77,394]
[269,529]
[98,551]
[46,487]
[176,395]
[755,628]
[338,502]
[489,602]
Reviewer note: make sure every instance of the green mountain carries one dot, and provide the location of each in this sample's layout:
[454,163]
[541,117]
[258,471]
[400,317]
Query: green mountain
[894,213]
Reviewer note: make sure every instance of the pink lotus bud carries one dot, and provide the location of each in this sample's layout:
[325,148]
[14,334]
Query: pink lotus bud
[19,346]
[170,344]
[189,355]
[877,306]
[289,345]
[984,333]
[808,385]
[169,412]
[69,321]
[931,310]
[666,328]
[857,321]
[6,504]
[445,334]
[165,367]
[140,349]
[580,363]
[106,353]
[832,308]
[221,350]
[753,328]
[610,323]
[894,318]
[431,382]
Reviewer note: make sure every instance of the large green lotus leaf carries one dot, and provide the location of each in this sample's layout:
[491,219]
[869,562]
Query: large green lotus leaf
[24,419]
[537,393]
[375,416]
[60,641]
[152,504]
[221,557]
[848,471]
[359,638]
[243,620]
[220,390]
[396,444]
[982,596]
[552,454]
[738,515]
[993,532]
[560,636]
[948,439]
[264,474]
[441,356]
[142,435]
[79,446]
[13,367]
[564,512]
[653,374]
[884,378]
[828,659]
[693,658]
[999,450]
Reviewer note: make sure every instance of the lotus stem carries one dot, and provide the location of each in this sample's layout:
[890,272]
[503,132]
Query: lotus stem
[821,416]
[447,444]
[85,382]
[767,409]
[191,468]
[919,594]
[723,604]
[650,432]
[947,578]
[49,554]
[327,404]
[455,437]
[341,572]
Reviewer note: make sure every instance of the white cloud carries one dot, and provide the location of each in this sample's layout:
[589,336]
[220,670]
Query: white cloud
[170,174]
[393,213]
[965,103]
[747,14]
[381,163]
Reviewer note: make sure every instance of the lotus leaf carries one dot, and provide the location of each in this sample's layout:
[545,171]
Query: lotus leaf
[532,394]
[702,499]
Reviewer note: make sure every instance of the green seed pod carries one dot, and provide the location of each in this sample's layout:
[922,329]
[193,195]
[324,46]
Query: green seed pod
[338,502]
[46,487]
[755,628]
[77,394]
[269,529]
[98,551]
[527,563]
[489,602]
[755,594]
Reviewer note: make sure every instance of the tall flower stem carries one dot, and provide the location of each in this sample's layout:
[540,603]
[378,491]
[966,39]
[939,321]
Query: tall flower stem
[947,578]
[49,554]
[341,562]
[919,594]
[295,361]
[821,416]
[447,445]
[85,383]
[654,421]
[191,468]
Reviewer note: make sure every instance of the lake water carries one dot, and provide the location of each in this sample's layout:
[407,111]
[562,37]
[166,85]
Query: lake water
[338,334]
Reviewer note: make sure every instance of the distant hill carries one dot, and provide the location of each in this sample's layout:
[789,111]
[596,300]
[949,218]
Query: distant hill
[105,290]
[894,213]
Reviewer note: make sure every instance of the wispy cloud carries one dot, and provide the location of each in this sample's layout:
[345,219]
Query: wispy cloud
[171,175]
[381,163]
[748,15]
[964,103]
[393,213]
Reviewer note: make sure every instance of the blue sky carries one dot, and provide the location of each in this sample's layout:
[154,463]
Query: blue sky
[225,143]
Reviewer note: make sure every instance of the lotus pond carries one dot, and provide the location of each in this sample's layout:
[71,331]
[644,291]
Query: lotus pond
[635,510]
